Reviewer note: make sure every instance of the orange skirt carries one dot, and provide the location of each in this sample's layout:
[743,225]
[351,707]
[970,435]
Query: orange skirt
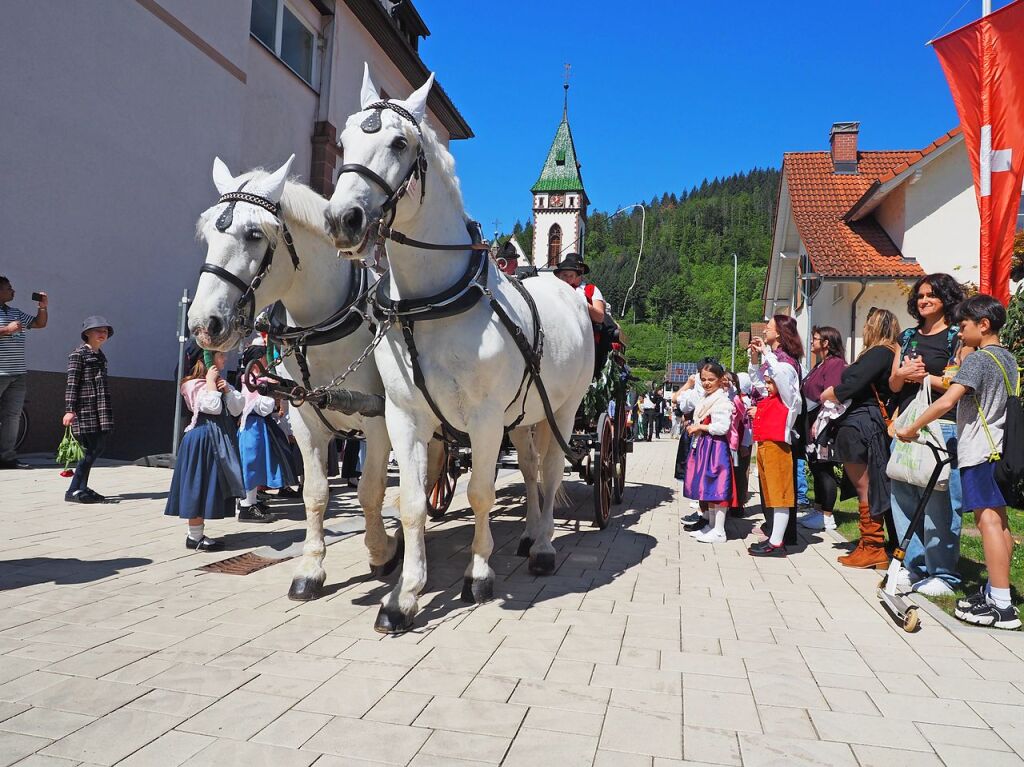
[775,468]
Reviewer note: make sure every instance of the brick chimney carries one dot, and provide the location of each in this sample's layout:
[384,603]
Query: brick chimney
[843,143]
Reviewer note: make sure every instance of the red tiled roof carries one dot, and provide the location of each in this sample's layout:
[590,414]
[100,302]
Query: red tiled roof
[820,198]
[918,156]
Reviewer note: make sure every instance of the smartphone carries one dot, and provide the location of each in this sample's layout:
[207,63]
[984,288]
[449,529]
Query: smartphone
[37,297]
[208,358]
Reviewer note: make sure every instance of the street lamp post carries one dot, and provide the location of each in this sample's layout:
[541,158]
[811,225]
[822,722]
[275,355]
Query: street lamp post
[639,255]
[735,270]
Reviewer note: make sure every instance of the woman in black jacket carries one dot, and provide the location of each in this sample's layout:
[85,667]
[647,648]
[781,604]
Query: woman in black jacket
[862,438]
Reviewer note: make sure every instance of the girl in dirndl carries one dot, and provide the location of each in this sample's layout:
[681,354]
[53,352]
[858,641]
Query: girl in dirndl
[774,420]
[263,447]
[709,472]
[207,475]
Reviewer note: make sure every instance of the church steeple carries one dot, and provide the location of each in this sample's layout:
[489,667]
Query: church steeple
[559,198]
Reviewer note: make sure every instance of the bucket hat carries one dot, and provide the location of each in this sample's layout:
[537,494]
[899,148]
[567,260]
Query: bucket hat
[572,263]
[96,321]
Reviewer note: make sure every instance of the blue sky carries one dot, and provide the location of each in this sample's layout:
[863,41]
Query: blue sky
[666,93]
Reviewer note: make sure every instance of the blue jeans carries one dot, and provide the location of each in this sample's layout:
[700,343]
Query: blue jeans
[801,483]
[939,555]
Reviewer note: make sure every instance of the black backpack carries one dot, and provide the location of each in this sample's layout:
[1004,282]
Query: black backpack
[1009,470]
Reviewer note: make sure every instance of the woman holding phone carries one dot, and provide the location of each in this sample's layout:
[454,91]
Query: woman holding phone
[207,474]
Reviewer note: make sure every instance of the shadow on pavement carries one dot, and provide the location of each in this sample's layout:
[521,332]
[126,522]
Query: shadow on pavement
[18,573]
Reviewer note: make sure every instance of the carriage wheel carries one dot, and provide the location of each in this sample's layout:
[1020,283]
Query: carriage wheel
[441,494]
[619,485]
[604,471]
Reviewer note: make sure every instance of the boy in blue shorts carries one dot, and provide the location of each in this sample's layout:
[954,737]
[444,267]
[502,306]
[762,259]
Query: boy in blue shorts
[979,390]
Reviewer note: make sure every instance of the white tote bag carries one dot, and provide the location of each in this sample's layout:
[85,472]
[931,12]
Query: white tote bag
[912,462]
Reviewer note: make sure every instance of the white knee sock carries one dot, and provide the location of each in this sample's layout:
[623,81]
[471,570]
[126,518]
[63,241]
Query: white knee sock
[719,517]
[999,597]
[250,498]
[780,518]
[195,532]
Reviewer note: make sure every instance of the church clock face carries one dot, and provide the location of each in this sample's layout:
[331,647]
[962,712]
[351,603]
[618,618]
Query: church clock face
[555,200]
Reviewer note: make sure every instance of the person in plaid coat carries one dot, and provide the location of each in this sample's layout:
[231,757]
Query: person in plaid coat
[87,405]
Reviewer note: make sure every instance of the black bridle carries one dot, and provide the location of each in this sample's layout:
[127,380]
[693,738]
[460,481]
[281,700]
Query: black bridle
[245,307]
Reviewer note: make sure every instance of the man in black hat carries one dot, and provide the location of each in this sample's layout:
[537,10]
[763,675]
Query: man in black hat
[571,270]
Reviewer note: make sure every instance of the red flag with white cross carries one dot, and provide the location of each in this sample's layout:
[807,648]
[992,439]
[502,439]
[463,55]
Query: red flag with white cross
[984,64]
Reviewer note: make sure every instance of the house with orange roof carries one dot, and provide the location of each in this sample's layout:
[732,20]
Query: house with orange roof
[855,228]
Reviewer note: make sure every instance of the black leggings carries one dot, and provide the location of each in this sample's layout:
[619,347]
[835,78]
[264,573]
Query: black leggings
[825,484]
[94,445]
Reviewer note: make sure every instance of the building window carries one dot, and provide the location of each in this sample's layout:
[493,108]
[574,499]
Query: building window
[554,244]
[838,293]
[287,36]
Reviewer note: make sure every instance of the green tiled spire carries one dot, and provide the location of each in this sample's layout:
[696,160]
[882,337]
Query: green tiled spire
[561,172]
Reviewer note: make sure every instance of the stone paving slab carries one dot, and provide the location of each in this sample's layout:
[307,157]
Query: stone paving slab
[644,648]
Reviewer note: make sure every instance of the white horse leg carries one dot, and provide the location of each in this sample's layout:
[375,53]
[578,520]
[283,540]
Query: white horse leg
[384,550]
[542,554]
[478,584]
[410,440]
[310,575]
[529,463]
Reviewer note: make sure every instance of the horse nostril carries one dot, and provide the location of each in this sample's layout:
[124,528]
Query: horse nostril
[330,223]
[353,219]
[214,326]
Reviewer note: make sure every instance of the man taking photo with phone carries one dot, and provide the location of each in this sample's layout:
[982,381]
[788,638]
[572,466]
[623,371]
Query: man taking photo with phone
[13,371]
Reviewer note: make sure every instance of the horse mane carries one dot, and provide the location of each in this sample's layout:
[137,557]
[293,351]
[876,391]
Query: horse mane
[303,207]
[441,165]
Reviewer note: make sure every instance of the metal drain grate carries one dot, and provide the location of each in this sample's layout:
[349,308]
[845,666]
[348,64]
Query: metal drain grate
[243,564]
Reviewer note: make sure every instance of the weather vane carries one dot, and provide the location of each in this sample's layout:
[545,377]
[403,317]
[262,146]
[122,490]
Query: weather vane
[565,102]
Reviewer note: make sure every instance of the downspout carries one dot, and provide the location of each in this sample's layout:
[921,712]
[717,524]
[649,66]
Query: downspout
[853,317]
[323,96]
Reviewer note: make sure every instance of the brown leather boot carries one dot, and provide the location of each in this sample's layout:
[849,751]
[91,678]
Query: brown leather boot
[870,551]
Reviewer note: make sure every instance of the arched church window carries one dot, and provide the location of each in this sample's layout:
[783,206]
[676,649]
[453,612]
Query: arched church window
[554,244]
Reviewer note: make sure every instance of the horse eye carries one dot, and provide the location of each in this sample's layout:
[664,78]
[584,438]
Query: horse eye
[253,235]
[399,144]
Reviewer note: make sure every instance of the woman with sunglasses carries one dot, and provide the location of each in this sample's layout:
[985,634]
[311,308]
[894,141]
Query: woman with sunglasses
[861,437]
[930,355]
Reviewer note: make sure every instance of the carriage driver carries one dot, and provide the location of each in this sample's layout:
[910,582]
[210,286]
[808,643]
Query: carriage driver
[571,270]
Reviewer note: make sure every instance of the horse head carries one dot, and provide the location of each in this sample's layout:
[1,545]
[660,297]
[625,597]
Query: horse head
[241,237]
[385,149]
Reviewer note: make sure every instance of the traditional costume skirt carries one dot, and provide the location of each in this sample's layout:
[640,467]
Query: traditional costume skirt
[207,475]
[709,471]
[775,469]
[266,454]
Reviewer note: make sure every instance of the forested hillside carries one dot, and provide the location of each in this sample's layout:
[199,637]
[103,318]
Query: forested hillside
[685,278]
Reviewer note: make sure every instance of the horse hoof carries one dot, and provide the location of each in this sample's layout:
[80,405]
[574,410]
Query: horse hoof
[384,570]
[542,563]
[524,547]
[477,590]
[305,589]
[391,621]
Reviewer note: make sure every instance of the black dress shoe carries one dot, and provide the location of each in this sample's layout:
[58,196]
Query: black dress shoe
[96,497]
[256,513]
[204,544]
[80,496]
[14,464]
[765,549]
[700,524]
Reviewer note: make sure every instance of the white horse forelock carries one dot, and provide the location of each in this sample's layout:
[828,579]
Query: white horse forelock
[302,205]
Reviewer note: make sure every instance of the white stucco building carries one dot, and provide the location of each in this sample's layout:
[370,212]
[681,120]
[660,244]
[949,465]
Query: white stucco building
[114,111]
[855,228]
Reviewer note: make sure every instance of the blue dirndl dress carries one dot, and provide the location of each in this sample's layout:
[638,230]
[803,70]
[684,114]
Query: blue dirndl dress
[207,474]
[266,454]
[709,470]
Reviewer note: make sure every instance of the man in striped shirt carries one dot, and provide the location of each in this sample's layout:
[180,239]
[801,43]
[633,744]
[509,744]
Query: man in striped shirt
[13,371]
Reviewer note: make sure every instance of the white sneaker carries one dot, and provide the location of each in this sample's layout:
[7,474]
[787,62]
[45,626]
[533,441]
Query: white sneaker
[829,520]
[712,536]
[933,587]
[904,583]
[700,532]
[813,521]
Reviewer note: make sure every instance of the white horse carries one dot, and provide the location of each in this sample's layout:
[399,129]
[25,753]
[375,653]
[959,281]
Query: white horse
[470,364]
[237,243]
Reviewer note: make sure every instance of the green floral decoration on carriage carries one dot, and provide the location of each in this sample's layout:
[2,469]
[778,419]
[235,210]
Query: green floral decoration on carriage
[610,385]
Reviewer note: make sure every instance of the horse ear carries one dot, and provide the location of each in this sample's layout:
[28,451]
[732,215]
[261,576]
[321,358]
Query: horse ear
[272,186]
[222,178]
[416,104]
[368,95]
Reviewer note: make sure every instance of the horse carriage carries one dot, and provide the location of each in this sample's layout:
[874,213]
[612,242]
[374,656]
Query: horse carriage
[599,436]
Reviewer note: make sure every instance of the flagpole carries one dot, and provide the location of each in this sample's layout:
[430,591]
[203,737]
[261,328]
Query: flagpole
[986,7]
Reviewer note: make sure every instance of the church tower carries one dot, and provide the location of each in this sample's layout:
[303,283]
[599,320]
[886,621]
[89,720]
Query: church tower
[559,200]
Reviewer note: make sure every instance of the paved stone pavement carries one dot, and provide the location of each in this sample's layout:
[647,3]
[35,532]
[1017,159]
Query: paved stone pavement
[645,648]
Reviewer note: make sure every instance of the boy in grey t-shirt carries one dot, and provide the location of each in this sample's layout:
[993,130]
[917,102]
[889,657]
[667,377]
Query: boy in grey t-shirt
[980,390]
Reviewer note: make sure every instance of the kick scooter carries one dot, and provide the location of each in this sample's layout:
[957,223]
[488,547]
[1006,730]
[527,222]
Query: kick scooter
[900,607]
